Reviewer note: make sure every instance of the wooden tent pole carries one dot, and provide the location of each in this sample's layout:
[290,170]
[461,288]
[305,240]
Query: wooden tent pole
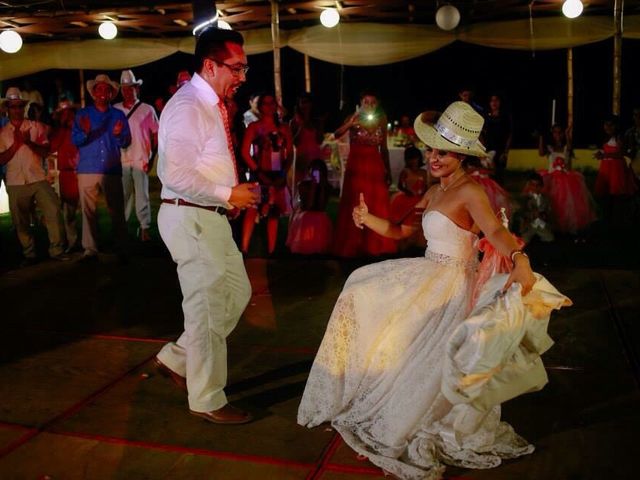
[307,74]
[570,87]
[275,37]
[82,90]
[617,56]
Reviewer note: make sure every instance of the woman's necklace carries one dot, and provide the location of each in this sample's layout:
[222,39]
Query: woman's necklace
[451,183]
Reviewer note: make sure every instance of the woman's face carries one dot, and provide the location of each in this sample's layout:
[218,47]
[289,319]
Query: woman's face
[443,163]
[267,106]
[557,134]
[609,128]
[494,103]
[369,103]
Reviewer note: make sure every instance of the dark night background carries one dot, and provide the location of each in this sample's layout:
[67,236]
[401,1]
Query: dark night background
[529,82]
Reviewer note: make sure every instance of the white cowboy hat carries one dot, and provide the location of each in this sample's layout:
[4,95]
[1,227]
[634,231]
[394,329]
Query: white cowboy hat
[102,78]
[455,130]
[14,95]
[128,79]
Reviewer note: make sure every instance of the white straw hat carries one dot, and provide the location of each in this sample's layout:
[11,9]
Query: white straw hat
[128,79]
[14,95]
[455,130]
[102,78]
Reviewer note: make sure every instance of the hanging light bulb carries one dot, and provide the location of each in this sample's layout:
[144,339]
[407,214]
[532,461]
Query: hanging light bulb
[10,41]
[447,17]
[329,17]
[224,25]
[572,8]
[108,30]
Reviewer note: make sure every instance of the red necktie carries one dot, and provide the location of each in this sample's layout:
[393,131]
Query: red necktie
[227,130]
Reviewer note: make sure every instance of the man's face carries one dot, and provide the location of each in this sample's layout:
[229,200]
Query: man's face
[102,94]
[16,111]
[466,95]
[229,74]
[130,93]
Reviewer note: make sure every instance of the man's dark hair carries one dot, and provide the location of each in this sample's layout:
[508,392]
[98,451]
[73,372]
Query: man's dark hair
[212,44]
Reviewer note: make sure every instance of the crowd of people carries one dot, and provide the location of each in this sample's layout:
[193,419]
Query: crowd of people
[109,148]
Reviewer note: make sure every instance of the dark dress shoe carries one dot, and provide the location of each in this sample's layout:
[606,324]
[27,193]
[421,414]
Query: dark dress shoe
[227,415]
[179,380]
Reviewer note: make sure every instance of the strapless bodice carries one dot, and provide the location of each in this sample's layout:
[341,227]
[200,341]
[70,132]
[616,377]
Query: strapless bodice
[447,239]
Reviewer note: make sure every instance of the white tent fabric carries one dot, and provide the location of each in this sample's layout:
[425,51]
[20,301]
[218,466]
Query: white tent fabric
[348,44]
[548,33]
[368,43]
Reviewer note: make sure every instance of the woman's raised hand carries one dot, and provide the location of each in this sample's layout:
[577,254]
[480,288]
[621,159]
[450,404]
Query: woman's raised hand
[360,212]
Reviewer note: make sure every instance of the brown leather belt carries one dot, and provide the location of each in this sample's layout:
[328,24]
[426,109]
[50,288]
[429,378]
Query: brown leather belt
[184,203]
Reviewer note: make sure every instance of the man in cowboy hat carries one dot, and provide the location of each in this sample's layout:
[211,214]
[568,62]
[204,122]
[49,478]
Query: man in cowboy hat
[23,145]
[100,131]
[199,183]
[137,158]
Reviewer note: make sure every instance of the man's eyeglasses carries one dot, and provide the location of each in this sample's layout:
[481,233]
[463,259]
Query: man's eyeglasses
[235,69]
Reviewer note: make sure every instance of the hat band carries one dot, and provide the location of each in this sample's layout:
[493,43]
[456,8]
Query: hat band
[454,137]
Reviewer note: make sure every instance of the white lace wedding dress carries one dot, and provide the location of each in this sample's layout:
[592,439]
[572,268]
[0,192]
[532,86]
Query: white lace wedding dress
[378,374]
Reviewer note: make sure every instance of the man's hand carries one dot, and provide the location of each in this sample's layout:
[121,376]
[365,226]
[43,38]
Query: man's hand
[117,127]
[245,195]
[84,122]
[19,138]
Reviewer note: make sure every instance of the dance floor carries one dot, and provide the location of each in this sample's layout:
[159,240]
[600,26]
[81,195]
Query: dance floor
[79,397]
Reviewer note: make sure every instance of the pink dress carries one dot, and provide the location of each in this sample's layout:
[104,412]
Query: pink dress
[614,176]
[310,230]
[498,196]
[365,173]
[571,203]
[402,205]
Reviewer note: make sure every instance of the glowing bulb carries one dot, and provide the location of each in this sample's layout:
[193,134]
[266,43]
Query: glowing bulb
[447,17]
[108,30]
[10,41]
[224,25]
[572,8]
[370,116]
[329,17]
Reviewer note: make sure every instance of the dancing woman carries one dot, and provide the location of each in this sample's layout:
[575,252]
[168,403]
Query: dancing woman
[380,374]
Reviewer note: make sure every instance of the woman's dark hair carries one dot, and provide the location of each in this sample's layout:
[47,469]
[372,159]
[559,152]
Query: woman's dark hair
[367,92]
[212,44]
[413,152]
[534,176]
[264,95]
[319,164]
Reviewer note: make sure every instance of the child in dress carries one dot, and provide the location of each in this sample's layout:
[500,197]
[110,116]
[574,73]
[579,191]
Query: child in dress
[498,197]
[615,179]
[310,230]
[412,183]
[571,203]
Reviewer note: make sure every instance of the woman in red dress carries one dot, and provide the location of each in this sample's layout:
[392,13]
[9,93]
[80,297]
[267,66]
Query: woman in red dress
[614,175]
[308,132]
[615,181]
[267,150]
[367,172]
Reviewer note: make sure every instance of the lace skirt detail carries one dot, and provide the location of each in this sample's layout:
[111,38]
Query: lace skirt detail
[442,259]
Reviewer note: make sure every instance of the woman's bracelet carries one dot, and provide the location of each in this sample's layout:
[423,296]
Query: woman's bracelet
[517,252]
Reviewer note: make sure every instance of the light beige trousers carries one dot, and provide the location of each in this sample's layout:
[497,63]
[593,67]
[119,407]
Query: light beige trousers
[215,290]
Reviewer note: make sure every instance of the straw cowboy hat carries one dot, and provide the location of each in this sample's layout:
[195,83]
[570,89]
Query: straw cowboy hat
[14,95]
[102,78]
[128,79]
[455,130]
